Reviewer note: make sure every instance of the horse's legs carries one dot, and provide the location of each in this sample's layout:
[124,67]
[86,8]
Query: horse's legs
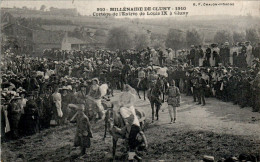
[105,134]
[157,111]
[144,94]
[122,85]
[152,105]
[114,147]
[163,97]
[138,94]
[112,89]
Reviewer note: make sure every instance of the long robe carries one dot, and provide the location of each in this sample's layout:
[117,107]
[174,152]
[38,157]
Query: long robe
[57,102]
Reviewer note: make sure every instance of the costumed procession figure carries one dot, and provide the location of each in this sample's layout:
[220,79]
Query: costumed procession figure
[94,95]
[57,112]
[154,57]
[132,128]
[154,96]
[173,100]
[141,76]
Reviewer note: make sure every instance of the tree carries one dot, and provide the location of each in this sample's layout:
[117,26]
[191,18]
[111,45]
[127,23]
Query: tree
[238,37]
[174,39]
[222,37]
[51,8]
[43,7]
[158,43]
[100,32]
[142,41]
[193,37]
[25,8]
[252,35]
[119,38]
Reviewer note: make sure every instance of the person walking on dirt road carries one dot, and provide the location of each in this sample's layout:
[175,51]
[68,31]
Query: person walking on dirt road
[173,100]
[83,132]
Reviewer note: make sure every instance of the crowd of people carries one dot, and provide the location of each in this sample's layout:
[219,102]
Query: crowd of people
[37,92]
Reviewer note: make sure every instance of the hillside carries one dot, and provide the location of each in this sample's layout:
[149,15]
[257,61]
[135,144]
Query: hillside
[206,25]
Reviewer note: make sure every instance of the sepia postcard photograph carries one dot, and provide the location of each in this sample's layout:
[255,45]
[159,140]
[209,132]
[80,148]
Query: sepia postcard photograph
[128,80]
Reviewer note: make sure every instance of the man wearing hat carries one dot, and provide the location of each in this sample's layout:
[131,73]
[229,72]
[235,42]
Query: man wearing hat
[31,116]
[202,89]
[242,57]
[208,55]
[14,115]
[48,107]
[195,86]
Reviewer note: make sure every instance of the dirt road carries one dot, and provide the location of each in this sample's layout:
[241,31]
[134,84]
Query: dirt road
[218,129]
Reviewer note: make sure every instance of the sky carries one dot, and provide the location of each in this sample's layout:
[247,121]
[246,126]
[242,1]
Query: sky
[87,7]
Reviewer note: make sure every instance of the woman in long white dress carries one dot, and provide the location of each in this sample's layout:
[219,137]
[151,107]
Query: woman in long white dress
[127,100]
[56,96]
[155,57]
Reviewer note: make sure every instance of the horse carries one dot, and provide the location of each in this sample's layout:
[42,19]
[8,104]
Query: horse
[91,106]
[154,96]
[115,80]
[113,117]
[142,86]
[163,85]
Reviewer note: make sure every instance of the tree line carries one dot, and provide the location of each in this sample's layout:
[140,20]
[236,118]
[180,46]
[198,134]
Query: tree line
[123,38]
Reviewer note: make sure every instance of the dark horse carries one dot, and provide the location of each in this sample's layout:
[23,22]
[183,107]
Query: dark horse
[115,80]
[142,86]
[154,96]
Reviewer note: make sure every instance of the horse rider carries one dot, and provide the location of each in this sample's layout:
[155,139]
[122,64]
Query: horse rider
[117,64]
[126,70]
[132,126]
[154,96]
[141,75]
[95,95]
[152,78]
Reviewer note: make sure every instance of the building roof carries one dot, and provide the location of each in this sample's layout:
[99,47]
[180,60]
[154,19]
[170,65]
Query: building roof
[90,39]
[44,36]
[6,17]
